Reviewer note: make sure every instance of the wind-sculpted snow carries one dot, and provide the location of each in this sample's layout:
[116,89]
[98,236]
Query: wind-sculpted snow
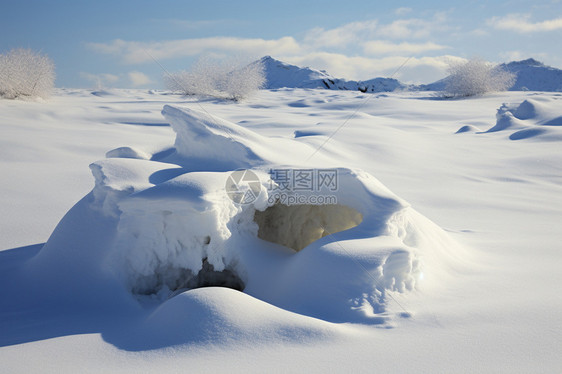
[205,142]
[170,227]
[533,118]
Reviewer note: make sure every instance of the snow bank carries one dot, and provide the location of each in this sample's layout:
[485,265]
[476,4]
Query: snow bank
[533,118]
[171,227]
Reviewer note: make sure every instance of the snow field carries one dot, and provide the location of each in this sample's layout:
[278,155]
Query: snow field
[488,304]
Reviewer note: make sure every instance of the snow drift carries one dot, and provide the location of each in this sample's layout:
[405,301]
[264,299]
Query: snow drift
[165,226]
[538,118]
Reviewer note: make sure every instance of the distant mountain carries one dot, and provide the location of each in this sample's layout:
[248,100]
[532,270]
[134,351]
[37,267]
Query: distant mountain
[279,74]
[530,74]
[533,75]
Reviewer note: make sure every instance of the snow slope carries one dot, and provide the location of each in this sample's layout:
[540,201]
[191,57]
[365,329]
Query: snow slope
[71,304]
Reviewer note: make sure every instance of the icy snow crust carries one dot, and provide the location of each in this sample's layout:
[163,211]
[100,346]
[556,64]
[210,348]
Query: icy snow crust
[167,227]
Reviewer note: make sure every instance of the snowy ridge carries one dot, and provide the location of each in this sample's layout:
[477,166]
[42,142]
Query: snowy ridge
[221,145]
[283,75]
[531,75]
[280,74]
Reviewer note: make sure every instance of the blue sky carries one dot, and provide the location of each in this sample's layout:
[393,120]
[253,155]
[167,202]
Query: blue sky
[109,43]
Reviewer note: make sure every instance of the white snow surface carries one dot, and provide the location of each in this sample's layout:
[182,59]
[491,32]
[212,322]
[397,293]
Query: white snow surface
[453,267]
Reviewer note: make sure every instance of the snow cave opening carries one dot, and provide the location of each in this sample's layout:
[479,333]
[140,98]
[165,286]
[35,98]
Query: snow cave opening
[209,277]
[296,226]
[178,280]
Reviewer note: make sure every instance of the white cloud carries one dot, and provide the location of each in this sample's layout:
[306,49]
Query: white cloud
[415,70]
[355,33]
[520,23]
[138,78]
[402,11]
[412,28]
[132,52]
[512,55]
[348,34]
[334,50]
[479,32]
[381,47]
[100,80]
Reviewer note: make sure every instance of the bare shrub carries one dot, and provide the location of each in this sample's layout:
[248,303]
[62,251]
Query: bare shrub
[475,77]
[218,79]
[26,73]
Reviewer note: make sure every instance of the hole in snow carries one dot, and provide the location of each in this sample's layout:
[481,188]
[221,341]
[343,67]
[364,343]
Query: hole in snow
[296,226]
[209,277]
[179,280]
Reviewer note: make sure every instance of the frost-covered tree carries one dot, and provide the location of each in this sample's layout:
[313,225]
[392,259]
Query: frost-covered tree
[218,79]
[26,73]
[475,77]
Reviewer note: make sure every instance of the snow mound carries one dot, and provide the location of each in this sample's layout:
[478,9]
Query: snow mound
[467,128]
[128,152]
[224,314]
[170,227]
[533,118]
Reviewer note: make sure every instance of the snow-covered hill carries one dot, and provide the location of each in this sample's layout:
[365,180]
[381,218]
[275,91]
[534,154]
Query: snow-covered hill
[280,74]
[531,75]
